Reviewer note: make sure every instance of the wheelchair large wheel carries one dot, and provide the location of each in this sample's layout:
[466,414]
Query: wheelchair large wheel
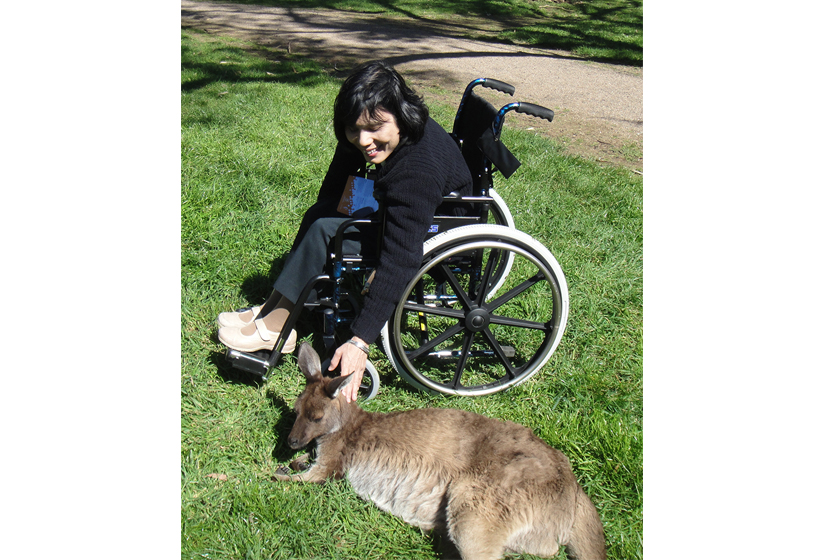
[449,335]
[500,215]
[499,211]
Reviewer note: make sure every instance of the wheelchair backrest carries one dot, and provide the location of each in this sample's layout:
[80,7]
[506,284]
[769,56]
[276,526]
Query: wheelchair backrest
[477,129]
[474,120]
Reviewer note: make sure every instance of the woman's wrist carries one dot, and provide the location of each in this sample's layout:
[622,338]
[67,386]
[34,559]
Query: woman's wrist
[360,344]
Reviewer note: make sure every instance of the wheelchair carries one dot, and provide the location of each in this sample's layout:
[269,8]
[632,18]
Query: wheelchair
[489,304]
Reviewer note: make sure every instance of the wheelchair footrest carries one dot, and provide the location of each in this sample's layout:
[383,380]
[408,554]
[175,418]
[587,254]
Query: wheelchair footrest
[253,362]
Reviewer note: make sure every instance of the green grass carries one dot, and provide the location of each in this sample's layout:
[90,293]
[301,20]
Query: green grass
[256,141]
[602,30]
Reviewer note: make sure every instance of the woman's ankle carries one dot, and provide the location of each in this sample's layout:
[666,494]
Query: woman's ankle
[276,320]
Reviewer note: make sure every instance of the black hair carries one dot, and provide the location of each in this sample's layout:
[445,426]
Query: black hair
[373,86]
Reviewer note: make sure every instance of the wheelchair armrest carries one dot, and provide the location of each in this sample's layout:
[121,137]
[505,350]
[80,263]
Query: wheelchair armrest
[478,214]
[474,201]
[457,198]
[339,234]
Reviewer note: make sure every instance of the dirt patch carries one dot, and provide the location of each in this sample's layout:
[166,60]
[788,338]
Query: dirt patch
[598,107]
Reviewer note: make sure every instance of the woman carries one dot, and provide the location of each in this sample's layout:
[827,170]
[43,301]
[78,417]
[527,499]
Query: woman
[378,121]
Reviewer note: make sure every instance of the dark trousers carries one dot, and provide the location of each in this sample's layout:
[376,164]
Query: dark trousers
[313,245]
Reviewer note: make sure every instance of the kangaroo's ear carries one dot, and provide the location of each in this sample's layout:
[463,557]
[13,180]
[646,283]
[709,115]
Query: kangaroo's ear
[334,386]
[309,363]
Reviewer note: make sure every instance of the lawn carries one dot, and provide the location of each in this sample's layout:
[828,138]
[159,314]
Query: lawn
[256,141]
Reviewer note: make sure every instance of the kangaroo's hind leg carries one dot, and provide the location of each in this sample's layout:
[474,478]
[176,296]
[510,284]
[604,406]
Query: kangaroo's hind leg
[474,525]
[475,539]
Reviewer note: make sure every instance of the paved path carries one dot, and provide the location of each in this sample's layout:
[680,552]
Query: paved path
[598,107]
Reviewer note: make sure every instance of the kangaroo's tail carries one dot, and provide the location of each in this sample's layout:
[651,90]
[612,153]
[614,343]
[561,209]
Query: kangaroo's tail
[587,537]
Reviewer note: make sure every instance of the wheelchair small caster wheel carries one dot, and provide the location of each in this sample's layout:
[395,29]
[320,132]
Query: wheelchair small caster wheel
[370,381]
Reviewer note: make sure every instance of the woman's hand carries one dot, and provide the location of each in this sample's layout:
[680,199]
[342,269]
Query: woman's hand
[352,360]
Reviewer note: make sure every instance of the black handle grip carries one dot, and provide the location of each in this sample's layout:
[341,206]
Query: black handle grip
[535,111]
[499,86]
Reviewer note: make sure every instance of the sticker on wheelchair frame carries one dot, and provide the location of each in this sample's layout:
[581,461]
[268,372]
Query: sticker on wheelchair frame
[433,229]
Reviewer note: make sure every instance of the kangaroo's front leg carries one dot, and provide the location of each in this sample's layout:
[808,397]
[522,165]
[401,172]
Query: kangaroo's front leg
[316,474]
[302,463]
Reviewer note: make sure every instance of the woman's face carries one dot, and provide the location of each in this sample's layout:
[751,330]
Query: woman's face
[377,137]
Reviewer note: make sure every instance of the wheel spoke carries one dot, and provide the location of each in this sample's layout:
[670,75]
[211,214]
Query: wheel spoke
[455,284]
[510,294]
[497,348]
[484,285]
[521,323]
[440,311]
[462,359]
[423,349]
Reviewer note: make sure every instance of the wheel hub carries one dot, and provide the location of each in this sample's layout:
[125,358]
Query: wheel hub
[477,320]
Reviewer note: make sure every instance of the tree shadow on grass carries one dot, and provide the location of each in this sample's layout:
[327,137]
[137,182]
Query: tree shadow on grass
[211,63]
[607,31]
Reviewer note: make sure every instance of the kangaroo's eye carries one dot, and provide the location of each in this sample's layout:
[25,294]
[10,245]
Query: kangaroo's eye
[316,417]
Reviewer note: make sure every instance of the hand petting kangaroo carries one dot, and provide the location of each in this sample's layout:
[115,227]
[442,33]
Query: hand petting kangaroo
[492,487]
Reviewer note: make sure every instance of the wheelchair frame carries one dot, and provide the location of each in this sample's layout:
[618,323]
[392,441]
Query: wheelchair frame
[462,254]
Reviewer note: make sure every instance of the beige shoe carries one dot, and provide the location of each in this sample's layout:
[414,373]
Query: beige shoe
[231,319]
[262,339]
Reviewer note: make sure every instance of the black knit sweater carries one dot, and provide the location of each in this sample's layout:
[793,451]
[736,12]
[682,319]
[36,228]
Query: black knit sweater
[413,181]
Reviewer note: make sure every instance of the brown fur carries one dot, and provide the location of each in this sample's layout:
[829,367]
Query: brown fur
[493,487]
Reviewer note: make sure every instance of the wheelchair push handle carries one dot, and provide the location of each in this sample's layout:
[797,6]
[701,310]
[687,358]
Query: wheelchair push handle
[535,111]
[526,108]
[498,85]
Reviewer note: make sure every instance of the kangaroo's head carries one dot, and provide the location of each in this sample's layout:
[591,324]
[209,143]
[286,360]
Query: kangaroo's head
[317,408]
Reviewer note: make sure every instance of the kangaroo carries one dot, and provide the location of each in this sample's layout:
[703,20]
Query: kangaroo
[492,487]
